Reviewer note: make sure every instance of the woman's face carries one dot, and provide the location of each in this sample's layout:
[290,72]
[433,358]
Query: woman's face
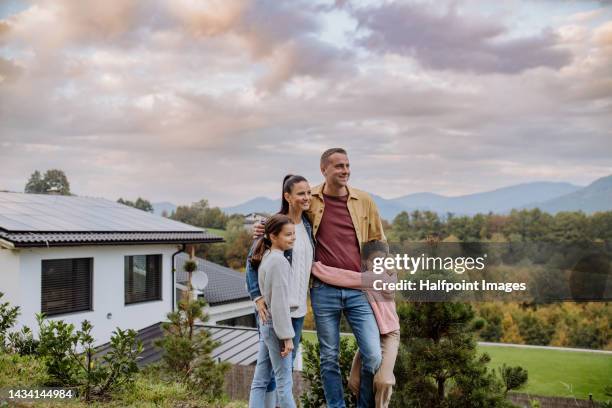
[299,196]
[285,238]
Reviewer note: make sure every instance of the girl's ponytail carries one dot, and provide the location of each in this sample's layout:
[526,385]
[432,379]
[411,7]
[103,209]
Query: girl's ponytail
[263,243]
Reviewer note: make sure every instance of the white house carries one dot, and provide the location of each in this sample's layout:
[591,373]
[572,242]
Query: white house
[251,218]
[77,258]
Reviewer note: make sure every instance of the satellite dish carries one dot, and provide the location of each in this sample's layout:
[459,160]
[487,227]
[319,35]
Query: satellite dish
[199,280]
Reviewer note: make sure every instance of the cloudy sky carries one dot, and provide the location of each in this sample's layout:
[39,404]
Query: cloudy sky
[185,99]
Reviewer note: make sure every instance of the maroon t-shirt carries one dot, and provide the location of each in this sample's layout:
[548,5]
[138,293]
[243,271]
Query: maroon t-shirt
[337,243]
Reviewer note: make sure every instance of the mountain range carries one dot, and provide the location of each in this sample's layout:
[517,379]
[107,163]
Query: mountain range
[551,197]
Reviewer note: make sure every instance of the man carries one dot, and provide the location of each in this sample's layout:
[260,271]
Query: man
[343,219]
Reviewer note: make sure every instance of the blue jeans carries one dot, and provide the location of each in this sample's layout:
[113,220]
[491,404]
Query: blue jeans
[328,304]
[264,384]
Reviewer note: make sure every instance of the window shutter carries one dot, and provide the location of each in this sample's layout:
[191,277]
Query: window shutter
[66,285]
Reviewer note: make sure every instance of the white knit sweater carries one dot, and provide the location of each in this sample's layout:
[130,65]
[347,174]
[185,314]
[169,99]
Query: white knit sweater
[301,264]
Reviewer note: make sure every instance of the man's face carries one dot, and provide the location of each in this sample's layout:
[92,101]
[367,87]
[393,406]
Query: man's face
[337,171]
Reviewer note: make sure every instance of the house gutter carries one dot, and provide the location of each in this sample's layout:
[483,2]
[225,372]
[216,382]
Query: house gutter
[182,249]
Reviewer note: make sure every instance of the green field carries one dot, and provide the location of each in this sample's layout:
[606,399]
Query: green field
[551,372]
[216,231]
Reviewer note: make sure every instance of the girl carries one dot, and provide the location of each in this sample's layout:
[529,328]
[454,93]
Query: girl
[277,330]
[383,306]
[295,201]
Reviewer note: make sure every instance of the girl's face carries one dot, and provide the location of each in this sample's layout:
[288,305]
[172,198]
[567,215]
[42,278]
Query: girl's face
[299,196]
[285,238]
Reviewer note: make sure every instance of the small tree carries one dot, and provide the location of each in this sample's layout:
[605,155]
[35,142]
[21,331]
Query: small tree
[187,349]
[36,184]
[54,181]
[512,377]
[140,203]
[311,372]
[438,365]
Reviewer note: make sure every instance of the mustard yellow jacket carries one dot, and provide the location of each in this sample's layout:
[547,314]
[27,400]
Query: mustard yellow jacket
[362,209]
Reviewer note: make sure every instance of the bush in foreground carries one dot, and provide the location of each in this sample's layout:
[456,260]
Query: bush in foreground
[69,359]
[311,372]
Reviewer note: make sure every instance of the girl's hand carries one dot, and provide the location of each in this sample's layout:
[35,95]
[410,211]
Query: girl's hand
[262,310]
[288,348]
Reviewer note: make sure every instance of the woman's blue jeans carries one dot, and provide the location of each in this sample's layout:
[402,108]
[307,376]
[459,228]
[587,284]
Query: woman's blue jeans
[264,386]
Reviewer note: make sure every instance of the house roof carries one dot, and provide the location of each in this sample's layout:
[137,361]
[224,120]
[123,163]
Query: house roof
[225,285]
[28,220]
[237,345]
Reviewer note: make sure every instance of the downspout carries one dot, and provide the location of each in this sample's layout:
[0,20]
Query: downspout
[173,272]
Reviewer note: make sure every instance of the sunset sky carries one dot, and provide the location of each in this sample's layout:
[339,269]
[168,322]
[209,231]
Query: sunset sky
[180,100]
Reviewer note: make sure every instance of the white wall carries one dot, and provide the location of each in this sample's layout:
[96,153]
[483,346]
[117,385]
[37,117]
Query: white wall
[9,276]
[108,287]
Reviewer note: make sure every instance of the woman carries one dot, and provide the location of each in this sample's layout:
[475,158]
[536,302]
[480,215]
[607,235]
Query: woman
[273,277]
[295,201]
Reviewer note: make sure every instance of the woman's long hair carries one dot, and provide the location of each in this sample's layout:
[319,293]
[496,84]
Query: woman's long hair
[274,225]
[288,182]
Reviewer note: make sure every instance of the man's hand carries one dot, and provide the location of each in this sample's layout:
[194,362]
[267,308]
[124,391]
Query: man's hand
[262,310]
[288,348]
[258,230]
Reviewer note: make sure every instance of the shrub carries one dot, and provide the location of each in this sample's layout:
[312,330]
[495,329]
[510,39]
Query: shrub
[8,317]
[187,349]
[57,346]
[22,342]
[512,377]
[95,377]
[311,372]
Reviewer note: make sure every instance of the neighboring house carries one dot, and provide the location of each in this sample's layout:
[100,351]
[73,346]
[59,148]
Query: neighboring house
[228,301]
[251,218]
[77,258]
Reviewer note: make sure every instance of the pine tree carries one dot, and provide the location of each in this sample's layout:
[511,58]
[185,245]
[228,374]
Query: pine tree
[187,349]
[35,184]
[438,365]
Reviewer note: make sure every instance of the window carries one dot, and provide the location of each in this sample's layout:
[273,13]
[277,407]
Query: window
[142,278]
[66,285]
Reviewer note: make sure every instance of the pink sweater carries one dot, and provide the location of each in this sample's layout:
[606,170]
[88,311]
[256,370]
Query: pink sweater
[382,301]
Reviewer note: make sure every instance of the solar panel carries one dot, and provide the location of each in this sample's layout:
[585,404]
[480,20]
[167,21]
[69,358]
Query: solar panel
[41,212]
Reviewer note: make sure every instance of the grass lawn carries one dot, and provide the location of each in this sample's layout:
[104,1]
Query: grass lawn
[557,373]
[218,232]
[551,372]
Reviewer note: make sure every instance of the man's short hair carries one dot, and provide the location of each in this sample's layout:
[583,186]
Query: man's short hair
[329,152]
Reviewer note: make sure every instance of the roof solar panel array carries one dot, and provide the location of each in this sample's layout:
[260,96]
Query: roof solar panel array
[54,213]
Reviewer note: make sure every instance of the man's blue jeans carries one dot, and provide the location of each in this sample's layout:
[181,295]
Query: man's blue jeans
[263,387]
[328,304]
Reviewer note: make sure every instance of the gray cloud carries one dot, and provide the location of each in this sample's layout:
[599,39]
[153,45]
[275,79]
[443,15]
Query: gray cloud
[453,41]
[179,101]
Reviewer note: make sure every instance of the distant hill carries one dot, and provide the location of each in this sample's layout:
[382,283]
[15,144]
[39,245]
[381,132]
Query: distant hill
[502,200]
[499,201]
[597,196]
[158,208]
[258,204]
